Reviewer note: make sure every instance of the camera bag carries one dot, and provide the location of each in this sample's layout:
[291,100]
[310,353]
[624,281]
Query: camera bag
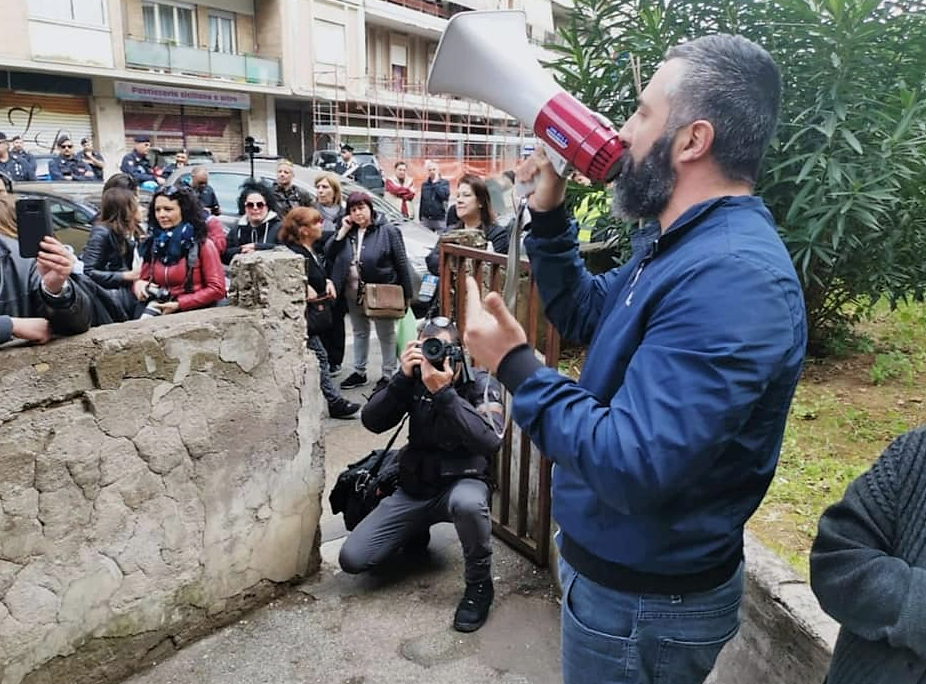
[364,483]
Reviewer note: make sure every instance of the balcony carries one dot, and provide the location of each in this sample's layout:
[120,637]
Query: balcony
[182,59]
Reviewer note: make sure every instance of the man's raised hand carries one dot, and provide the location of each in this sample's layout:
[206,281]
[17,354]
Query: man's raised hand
[491,330]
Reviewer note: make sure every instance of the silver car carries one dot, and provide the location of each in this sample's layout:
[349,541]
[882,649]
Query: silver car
[226,180]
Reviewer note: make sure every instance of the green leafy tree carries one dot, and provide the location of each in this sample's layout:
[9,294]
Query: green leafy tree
[846,175]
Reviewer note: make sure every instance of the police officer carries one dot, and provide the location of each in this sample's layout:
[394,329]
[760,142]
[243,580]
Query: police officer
[346,165]
[92,158]
[136,163]
[65,166]
[8,165]
[23,158]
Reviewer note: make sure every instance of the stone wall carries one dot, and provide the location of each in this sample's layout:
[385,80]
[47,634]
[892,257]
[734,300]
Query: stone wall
[156,479]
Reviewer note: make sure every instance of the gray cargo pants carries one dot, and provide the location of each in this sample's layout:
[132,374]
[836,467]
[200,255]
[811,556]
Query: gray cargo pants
[400,518]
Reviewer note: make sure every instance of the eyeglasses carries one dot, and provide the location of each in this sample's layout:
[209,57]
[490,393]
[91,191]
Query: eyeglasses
[66,147]
[255,205]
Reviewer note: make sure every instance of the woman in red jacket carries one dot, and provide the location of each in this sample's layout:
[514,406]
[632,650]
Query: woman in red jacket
[181,267]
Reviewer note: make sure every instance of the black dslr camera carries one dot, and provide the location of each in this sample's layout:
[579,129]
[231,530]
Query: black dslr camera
[156,292]
[436,350]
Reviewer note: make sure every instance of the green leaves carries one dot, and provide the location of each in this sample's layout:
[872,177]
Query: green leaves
[846,176]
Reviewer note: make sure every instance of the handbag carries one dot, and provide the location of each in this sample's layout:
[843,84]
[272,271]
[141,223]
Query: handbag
[318,315]
[380,300]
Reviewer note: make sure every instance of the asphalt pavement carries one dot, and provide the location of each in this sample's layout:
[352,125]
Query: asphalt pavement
[390,627]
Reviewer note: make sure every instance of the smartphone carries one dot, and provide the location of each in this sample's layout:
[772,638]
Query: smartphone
[33,222]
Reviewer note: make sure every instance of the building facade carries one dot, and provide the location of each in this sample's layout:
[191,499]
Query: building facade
[302,76]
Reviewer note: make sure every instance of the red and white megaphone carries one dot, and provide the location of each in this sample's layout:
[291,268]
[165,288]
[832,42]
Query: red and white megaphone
[485,56]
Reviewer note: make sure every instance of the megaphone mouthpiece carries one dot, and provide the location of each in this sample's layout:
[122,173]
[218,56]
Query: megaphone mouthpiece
[485,56]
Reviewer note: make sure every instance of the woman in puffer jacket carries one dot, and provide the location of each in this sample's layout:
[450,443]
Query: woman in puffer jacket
[366,249]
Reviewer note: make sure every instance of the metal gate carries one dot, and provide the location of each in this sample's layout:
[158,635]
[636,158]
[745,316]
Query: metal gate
[521,502]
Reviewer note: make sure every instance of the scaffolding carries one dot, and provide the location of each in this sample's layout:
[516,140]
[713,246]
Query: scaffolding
[398,120]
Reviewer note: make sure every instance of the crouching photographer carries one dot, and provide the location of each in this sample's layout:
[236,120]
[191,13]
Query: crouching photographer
[455,417]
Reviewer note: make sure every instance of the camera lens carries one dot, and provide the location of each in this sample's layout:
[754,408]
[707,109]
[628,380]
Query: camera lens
[433,350]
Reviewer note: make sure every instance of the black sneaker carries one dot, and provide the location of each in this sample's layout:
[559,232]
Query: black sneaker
[342,408]
[382,382]
[354,380]
[473,609]
[334,371]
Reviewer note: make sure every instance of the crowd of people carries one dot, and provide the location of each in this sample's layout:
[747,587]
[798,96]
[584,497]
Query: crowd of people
[664,446]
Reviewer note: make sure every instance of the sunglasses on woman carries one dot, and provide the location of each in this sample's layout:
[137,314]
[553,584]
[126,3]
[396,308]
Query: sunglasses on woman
[255,205]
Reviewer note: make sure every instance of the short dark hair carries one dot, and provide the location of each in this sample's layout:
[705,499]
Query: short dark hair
[63,139]
[358,197]
[431,329]
[84,141]
[735,85]
[398,164]
[262,189]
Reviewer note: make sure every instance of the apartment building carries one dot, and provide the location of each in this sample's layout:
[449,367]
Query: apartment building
[301,75]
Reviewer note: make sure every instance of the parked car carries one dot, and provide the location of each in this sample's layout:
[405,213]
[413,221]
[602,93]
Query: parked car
[226,180]
[72,218]
[162,156]
[41,165]
[368,173]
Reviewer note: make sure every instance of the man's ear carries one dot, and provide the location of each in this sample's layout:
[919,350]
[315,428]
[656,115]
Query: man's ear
[695,140]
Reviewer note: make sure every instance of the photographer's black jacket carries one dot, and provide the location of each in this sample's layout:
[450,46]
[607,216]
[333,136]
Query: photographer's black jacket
[448,438]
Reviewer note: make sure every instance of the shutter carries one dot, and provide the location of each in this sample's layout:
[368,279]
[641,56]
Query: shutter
[40,119]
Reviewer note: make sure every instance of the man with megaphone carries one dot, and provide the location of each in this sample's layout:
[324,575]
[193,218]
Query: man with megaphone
[669,439]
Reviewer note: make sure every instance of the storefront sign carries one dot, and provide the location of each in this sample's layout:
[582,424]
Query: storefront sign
[142,92]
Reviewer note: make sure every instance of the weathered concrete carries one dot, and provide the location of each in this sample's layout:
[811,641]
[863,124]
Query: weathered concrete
[158,478]
[785,637]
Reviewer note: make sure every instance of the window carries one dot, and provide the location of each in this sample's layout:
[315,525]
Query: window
[330,43]
[169,23]
[222,33]
[80,11]
[398,58]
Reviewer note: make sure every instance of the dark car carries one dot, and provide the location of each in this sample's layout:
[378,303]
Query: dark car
[161,157]
[226,180]
[71,217]
[368,174]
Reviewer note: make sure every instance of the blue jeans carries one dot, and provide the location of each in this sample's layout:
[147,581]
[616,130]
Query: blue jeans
[614,637]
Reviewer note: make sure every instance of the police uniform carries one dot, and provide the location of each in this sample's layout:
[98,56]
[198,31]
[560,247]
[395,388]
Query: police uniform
[60,168]
[97,170]
[27,161]
[14,169]
[137,167]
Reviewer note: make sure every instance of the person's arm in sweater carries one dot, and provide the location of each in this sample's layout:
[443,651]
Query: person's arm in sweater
[854,568]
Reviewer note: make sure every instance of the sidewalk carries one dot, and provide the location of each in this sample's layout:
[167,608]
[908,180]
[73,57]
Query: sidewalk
[390,628]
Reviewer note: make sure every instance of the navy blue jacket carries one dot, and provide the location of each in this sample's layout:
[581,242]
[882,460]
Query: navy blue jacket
[60,168]
[434,196]
[137,167]
[669,439]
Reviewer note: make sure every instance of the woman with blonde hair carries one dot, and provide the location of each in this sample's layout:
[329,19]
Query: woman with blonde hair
[328,200]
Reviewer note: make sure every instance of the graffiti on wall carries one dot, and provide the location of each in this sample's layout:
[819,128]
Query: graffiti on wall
[39,125]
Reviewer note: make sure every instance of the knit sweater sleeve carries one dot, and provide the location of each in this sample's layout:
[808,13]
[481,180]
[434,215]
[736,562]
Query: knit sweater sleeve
[858,566]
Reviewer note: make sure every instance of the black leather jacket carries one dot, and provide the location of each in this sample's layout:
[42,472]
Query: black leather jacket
[449,433]
[103,262]
[21,296]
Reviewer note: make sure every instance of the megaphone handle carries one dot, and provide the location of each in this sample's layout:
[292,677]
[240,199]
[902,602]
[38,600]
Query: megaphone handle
[560,164]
